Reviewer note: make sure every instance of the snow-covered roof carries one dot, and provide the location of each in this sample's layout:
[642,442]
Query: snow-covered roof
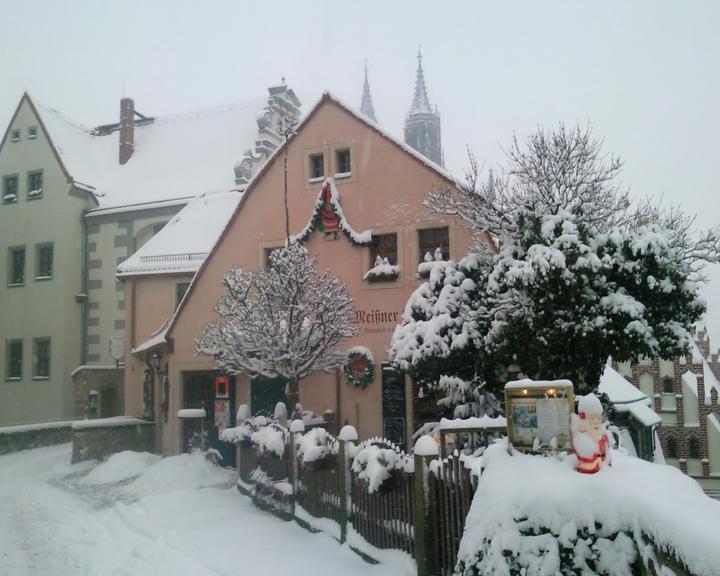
[156,339]
[472,422]
[184,242]
[174,156]
[627,398]
[709,379]
[618,388]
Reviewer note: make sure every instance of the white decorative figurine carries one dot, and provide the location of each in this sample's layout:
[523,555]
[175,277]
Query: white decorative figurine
[592,443]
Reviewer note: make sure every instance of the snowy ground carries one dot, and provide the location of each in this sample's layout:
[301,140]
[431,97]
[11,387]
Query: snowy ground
[174,516]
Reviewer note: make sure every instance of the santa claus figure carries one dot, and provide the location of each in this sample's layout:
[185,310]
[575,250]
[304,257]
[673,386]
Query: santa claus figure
[592,443]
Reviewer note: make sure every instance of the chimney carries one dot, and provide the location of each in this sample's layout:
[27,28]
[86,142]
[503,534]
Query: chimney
[127,129]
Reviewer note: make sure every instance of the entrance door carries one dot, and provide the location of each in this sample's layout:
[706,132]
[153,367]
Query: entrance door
[265,393]
[393,395]
[199,392]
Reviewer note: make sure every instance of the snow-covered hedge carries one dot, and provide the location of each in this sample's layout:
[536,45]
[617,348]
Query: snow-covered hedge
[376,464]
[315,445]
[271,439]
[535,515]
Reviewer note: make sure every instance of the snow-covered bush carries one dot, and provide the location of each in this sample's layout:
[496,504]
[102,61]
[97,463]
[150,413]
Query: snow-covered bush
[240,433]
[316,444]
[467,399]
[569,273]
[375,464]
[271,439]
[534,515]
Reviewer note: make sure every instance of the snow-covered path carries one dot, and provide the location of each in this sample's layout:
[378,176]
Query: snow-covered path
[52,523]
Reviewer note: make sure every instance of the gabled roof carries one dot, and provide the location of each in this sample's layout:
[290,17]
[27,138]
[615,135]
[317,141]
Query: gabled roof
[174,156]
[184,242]
[326,100]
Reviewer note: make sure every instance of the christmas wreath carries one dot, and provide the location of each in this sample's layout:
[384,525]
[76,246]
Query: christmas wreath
[359,367]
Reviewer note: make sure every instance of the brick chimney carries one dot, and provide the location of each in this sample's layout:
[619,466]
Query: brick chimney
[127,129]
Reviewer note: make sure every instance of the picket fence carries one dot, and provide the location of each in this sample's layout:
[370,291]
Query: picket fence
[420,512]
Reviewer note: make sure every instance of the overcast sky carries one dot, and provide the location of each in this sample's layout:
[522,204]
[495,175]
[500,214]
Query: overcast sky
[645,74]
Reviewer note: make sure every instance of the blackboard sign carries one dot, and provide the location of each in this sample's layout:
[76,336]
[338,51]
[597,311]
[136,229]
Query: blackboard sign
[393,395]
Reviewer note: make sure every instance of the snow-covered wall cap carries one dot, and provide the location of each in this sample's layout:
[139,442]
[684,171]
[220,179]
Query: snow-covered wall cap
[473,422]
[191,413]
[348,433]
[297,426]
[528,383]
[426,446]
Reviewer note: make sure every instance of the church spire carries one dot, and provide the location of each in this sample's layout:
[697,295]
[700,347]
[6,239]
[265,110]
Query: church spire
[422,124]
[421,102]
[366,106]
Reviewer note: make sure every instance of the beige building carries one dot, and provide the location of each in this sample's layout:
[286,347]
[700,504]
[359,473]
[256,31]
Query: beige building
[380,185]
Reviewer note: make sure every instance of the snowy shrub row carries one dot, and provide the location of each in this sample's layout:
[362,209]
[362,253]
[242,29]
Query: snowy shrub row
[375,463]
[314,445]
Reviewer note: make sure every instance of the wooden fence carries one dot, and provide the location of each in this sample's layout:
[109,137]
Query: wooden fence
[420,511]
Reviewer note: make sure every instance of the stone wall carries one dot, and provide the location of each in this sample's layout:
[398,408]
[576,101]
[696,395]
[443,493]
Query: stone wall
[100,441]
[13,439]
[108,382]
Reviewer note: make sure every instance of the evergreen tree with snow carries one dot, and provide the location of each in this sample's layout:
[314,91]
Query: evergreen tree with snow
[286,321]
[573,271]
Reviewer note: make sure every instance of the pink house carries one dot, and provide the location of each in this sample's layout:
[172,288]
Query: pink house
[380,185]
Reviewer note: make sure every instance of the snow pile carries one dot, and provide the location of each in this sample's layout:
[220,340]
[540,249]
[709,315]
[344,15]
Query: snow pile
[271,439]
[183,472]
[375,464]
[121,466]
[316,445]
[561,521]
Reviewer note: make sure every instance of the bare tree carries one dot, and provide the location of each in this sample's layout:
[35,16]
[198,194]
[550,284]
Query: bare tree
[286,321]
[566,170]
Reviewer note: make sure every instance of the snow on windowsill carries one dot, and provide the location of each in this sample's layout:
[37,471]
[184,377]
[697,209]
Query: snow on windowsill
[191,413]
[13,379]
[40,378]
[42,278]
[382,273]
[16,285]
[316,179]
[9,199]
[341,175]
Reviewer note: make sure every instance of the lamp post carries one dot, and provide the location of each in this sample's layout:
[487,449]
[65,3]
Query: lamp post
[157,369]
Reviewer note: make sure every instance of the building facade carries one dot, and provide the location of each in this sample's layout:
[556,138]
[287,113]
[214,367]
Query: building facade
[685,394]
[77,201]
[380,185]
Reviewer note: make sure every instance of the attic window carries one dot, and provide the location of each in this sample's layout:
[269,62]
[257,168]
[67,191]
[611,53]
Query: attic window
[342,162]
[15,136]
[32,132]
[317,166]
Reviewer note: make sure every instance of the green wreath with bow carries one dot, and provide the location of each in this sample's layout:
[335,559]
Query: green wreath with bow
[359,369]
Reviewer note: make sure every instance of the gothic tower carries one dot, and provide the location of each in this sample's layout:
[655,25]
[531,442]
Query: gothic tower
[366,105]
[422,123]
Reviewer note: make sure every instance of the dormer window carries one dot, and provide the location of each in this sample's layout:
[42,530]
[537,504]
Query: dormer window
[32,132]
[317,166]
[15,136]
[342,162]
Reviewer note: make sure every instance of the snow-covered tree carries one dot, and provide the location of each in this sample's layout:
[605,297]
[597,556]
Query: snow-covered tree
[572,272]
[286,321]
